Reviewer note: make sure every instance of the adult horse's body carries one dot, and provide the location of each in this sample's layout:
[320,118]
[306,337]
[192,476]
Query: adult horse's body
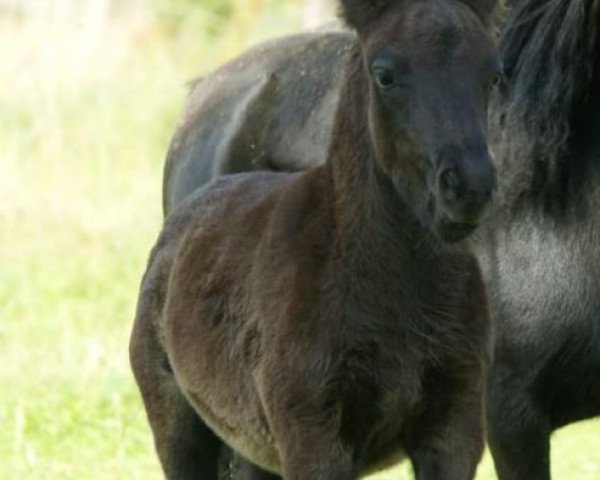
[542,261]
[543,257]
[271,109]
[322,322]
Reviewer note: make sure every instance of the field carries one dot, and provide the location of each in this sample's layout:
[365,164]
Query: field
[89,96]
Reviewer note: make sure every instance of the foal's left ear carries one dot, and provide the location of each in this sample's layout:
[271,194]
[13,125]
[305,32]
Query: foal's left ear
[358,14]
[485,9]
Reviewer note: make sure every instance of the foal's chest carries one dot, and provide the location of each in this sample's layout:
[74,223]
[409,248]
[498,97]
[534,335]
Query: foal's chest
[384,392]
[391,372]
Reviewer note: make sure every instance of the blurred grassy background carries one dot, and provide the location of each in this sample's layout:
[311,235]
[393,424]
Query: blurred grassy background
[90,91]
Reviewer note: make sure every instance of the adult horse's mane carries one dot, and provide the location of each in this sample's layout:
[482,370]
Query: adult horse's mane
[549,49]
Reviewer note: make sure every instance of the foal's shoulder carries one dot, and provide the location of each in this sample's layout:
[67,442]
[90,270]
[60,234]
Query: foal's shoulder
[237,214]
[226,206]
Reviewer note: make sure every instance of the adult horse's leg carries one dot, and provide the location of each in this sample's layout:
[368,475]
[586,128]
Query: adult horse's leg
[238,468]
[187,448]
[249,471]
[518,433]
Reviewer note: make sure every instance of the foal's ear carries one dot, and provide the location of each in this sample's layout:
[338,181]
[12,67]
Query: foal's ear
[358,14]
[485,9]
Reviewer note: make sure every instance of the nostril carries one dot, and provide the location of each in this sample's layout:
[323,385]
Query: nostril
[449,184]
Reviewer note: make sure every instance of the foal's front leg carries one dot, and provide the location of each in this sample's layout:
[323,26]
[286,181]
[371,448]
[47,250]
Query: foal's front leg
[450,447]
[308,439]
[310,454]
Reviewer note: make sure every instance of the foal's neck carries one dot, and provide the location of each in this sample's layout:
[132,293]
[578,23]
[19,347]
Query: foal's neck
[369,210]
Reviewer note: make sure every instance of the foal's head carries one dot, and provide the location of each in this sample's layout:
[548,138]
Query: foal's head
[431,65]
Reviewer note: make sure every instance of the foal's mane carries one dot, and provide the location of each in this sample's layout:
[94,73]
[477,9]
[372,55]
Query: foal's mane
[550,50]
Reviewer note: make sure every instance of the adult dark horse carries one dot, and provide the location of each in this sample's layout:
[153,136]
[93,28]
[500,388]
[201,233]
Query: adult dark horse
[323,322]
[271,109]
[543,259]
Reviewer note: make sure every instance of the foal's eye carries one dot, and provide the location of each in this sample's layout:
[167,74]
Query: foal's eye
[384,78]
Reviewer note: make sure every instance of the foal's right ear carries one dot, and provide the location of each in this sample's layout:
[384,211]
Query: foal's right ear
[358,14]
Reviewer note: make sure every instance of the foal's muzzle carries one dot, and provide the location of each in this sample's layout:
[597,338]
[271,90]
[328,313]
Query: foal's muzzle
[465,188]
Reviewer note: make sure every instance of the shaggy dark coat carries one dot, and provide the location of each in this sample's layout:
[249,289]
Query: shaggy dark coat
[319,323]
[542,259]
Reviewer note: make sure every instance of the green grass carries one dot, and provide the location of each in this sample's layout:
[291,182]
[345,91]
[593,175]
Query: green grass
[86,117]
